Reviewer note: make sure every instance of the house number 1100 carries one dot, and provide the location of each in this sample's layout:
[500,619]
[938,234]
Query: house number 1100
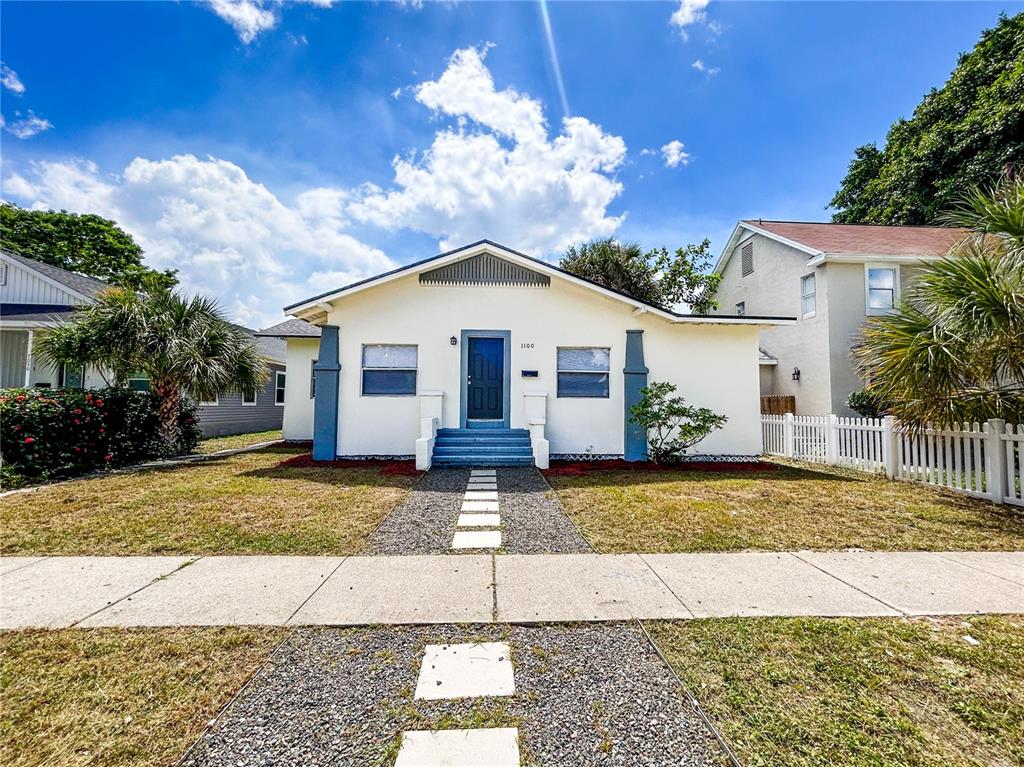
[525,346]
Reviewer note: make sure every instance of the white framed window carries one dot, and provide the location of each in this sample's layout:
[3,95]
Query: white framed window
[249,398]
[279,382]
[389,370]
[808,295]
[72,377]
[741,309]
[312,379]
[583,371]
[210,402]
[881,288]
[138,382]
[3,273]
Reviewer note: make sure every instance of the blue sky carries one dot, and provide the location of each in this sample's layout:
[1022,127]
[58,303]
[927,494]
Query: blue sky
[272,151]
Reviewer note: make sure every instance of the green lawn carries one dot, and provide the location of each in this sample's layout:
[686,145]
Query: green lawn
[249,503]
[115,697]
[778,508]
[213,444]
[799,692]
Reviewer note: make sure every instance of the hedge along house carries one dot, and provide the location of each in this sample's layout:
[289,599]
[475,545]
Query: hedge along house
[485,356]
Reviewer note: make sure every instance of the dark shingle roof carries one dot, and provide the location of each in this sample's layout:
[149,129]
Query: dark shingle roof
[87,286]
[291,329]
[36,312]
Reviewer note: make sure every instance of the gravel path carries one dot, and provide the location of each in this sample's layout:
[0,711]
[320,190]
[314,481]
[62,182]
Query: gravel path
[585,695]
[533,520]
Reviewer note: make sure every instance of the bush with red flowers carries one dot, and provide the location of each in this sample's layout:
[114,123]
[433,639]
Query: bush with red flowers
[53,434]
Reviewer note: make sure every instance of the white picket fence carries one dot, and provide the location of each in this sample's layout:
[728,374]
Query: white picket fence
[983,460]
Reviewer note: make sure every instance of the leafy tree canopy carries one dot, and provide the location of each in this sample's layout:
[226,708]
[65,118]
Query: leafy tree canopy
[655,277]
[84,243]
[961,135]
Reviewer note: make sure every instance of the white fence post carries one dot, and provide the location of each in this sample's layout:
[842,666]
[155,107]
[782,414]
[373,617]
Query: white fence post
[890,446]
[787,435]
[832,440]
[995,460]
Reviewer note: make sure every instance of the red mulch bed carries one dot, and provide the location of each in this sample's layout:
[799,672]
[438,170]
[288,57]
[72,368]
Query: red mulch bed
[387,467]
[579,468]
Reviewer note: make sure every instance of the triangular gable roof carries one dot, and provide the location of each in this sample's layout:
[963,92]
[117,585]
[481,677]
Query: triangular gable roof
[853,240]
[77,284]
[532,264]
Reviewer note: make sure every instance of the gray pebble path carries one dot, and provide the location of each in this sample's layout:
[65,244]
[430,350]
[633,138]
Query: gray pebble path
[585,695]
[533,520]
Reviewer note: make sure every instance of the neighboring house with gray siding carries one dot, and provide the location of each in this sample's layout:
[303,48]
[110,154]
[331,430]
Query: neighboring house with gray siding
[35,296]
[831,277]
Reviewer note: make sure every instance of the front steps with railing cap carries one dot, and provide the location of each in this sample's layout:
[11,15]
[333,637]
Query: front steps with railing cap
[482,447]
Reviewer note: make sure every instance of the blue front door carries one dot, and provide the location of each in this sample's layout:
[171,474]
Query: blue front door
[486,379]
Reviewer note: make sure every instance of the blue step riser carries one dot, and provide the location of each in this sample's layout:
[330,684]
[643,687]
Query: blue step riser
[493,453]
[478,445]
[473,461]
[472,434]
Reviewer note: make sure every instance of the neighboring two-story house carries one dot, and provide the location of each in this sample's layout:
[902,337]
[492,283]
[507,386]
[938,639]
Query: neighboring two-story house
[831,277]
[35,296]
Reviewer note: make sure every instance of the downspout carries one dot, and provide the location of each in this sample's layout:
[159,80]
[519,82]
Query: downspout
[635,375]
[327,372]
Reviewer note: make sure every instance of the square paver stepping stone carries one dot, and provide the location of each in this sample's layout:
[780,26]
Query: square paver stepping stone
[479,505]
[479,520]
[483,473]
[482,480]
[482,486]
[473,670]
[477,539]
[495,747]
[480,495]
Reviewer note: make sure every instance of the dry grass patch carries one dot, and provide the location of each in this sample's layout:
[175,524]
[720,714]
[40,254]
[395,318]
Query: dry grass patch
[118,697]
[799,692]
[244,504]
[780,508]
[213,444]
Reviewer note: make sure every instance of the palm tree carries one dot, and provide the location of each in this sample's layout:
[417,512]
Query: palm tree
[184,345]
[953,352]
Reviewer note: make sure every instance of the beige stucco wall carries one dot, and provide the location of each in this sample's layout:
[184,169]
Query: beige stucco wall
[298,405]
[774,289]
[714,366]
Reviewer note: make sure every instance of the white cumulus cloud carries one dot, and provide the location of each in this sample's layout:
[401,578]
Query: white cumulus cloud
[495,172]
[10,80]
[250,18]
[229,236]
[700,66]
[674,155]
[688,13]
[26,126]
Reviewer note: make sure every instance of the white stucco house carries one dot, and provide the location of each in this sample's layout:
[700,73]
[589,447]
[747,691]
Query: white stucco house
[831,277]
[483,355]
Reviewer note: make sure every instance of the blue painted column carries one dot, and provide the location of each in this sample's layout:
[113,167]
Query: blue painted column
[327,372]
[635,374]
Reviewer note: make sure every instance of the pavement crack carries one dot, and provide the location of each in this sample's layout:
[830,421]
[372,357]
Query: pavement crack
[847,583]
[313,592]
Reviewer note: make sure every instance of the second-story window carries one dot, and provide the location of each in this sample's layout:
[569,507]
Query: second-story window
[808,298]
[882,288]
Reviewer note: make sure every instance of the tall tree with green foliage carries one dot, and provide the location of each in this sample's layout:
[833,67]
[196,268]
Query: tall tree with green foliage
[953,352]
[656,276]
[961,135]
[184,345]
[83,243]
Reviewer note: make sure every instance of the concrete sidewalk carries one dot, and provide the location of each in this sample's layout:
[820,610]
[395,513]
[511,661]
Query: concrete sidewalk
[182,591]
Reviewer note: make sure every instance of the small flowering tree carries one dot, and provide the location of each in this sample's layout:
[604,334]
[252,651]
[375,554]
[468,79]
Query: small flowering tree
[672,426]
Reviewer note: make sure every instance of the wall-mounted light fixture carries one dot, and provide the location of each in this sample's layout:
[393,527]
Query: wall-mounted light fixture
[796,374]
[453,340]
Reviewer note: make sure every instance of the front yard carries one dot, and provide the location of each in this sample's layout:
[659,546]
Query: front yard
[115,698]
[777,508]
[811,692]
[213,444]
[249,503]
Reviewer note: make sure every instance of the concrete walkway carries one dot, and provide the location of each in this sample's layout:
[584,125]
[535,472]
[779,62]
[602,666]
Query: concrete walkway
[175,591]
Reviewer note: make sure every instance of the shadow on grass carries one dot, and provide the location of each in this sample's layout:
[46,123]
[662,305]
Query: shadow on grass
[300,466]
[619,476]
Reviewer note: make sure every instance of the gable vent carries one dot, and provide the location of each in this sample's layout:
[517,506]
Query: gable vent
[485,269]
[747,259]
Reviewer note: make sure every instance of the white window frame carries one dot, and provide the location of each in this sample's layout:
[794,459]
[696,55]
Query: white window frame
[813,295]
[895,269]
[363,369]
[210,403]
[278,386]
[312,379]
[559,371]
[255,398]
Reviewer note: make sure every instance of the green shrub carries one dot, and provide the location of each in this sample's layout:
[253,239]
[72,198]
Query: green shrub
[53,434]
[672,426]
[865,403]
